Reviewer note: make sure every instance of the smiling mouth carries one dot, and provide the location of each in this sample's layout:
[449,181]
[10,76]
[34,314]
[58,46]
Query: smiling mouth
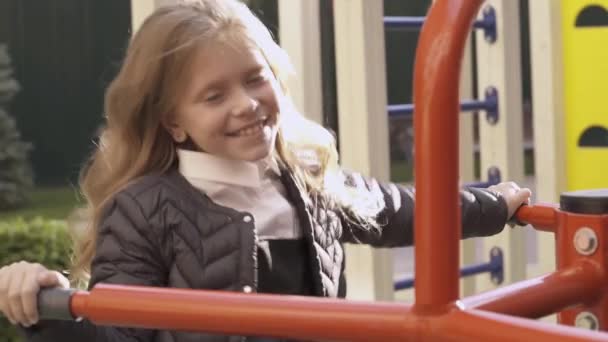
[251,129]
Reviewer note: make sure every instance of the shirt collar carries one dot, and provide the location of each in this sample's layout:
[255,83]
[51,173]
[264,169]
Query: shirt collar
[204,166]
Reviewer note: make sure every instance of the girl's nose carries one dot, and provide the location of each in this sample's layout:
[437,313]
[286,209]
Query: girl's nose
[244,104]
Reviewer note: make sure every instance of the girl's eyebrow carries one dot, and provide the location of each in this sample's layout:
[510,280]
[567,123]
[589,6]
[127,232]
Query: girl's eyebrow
[254,69]
[200,91]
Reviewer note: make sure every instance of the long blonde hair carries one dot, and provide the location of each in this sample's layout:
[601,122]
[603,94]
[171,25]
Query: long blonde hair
[134,142]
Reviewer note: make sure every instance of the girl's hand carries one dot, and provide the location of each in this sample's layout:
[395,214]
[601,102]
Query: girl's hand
[20,283]
[513,195]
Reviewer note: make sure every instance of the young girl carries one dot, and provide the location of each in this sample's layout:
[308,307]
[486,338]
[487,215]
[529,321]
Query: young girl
[207,177]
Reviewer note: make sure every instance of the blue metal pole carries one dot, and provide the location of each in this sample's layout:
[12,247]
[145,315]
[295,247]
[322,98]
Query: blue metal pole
[494,267]
[407,109]
[489,105]
[493,179]
[404,22]
[403,284]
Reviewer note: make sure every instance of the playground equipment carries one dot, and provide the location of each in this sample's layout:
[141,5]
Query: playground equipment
[500,137]
[487,23]
[585,32]
[580,225]
[489,105]
[495,267]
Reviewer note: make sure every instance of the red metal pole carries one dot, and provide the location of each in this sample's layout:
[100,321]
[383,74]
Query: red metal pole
[545,295]
[477,325]
[295,317]
[541,216]
[303,318]
[437,224]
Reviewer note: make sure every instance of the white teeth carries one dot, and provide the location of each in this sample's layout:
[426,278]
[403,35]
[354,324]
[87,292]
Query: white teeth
[251,130]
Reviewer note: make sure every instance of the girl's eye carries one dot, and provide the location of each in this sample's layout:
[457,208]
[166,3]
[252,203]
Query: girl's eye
[213,97]
[256,79]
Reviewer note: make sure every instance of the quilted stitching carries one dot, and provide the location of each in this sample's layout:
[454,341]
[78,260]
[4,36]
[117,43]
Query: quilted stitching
[327,228]
[203,245]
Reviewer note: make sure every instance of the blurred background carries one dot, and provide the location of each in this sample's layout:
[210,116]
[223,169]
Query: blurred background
[56,59]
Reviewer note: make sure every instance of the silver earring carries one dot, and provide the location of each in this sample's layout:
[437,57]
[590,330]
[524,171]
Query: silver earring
[180,137]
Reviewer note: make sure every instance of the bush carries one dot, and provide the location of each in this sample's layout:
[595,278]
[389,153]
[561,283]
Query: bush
[44,241]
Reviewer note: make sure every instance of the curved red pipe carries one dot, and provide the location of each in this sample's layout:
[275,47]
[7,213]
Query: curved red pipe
[436,78]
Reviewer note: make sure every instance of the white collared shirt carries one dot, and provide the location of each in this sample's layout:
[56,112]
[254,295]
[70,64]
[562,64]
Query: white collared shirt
[252,187]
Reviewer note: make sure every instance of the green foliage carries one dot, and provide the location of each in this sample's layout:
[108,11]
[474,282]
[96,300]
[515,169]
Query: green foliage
[15,170]
[49,202]
[43,241]
[8,86]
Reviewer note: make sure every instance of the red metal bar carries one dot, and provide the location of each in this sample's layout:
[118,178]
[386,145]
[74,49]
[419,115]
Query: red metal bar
[302,318]
[437,236]
[545,295]
[541,216]
[477,325]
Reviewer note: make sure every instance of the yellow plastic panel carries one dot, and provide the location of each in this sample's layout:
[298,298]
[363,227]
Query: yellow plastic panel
[585,32]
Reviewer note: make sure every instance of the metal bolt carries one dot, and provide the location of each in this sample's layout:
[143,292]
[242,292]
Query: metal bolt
[587,320]
[585,241]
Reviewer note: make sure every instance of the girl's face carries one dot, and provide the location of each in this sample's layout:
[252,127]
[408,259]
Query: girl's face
[230,108]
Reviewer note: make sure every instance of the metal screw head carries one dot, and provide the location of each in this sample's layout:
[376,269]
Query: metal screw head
[587,320]
[585,241]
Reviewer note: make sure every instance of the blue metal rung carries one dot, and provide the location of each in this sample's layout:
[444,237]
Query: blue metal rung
[494,267]
[487,23]
[395,22]
[493,179]
[489,105]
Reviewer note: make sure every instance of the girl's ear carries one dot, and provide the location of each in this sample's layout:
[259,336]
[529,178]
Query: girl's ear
[178,134]
[309,160]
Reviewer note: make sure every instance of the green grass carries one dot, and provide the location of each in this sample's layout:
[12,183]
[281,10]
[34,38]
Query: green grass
[401,171]
[48,202]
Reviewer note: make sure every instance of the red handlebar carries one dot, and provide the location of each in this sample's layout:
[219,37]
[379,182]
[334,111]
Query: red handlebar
[541,216]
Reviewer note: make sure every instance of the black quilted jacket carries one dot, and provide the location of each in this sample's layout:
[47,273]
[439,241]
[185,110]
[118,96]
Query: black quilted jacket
[161,231]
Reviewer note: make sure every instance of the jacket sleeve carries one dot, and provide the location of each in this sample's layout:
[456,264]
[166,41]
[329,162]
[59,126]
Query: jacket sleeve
[483,212]
[125,254]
